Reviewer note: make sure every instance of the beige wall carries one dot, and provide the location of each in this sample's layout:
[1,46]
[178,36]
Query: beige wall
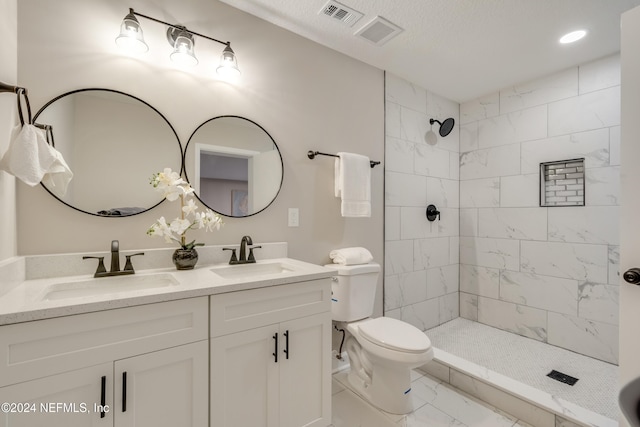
[9,75]
[305,95]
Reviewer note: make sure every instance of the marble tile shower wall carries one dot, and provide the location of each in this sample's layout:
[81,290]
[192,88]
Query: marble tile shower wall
[421,257]
[546,273]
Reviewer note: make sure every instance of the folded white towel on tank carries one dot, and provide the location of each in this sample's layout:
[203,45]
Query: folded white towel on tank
[351,256]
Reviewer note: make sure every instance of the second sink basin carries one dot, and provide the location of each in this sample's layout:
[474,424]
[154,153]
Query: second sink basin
[108,285]
[240,271]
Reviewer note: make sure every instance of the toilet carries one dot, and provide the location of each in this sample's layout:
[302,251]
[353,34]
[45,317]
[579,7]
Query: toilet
[382,351]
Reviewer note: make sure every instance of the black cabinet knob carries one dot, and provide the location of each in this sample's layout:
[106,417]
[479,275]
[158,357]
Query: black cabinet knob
[632,276]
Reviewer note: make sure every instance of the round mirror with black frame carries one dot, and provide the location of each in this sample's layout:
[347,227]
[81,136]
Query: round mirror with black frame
[234,166]
[113,143]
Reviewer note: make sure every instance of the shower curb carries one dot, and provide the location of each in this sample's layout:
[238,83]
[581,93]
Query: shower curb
[529,404]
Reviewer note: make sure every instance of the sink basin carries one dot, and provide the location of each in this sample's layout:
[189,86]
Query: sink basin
[108,285]
[248,271]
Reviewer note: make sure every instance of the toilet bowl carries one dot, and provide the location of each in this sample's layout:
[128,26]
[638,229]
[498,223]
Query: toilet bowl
[382,351]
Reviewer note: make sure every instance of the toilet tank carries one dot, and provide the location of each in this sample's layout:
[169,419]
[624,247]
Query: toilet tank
[353,291]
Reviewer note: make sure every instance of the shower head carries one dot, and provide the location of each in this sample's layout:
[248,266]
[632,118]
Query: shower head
[445,127]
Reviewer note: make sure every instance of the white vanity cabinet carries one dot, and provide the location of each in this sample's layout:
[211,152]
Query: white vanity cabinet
[163,388]
[148,364]
[35,403]
[271,356]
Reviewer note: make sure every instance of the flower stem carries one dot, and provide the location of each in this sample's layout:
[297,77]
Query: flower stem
[183,240]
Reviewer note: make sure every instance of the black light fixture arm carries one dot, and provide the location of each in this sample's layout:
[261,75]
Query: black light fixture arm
[179,27]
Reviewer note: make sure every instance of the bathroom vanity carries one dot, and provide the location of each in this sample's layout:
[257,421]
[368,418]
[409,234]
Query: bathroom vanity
[246,345]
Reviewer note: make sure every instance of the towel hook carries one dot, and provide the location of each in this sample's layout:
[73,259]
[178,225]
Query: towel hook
[21,93]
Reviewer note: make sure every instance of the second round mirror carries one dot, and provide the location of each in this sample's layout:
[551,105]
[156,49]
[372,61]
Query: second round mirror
[234,165]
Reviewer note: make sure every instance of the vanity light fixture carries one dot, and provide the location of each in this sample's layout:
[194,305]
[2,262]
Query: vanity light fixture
[181,40]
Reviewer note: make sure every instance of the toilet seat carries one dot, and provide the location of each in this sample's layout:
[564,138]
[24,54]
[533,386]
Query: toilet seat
[394,335]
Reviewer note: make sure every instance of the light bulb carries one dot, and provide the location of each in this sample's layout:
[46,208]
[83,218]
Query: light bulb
[228,63]
[183,50]
[131,37]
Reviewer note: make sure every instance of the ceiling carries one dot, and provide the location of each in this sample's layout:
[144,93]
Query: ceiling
[460,49]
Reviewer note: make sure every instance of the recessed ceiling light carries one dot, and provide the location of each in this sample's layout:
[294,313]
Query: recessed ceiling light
[573,36]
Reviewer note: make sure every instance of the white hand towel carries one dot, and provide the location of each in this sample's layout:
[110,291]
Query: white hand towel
[350,256]
[31,159]
[353,184]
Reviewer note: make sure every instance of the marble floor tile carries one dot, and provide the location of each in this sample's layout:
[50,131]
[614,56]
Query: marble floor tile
[436,404]
[349,410]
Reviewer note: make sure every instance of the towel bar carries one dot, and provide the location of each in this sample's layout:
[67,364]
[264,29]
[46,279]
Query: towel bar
[22,93]
[313,154]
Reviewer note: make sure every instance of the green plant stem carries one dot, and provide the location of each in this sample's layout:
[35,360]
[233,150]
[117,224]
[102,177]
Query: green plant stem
[183,240]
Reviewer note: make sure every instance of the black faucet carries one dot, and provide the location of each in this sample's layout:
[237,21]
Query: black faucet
[246,240]
[115,256]
[243,259]
[115,262]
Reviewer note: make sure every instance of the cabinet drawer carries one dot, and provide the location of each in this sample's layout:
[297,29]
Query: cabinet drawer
[242,310]
[46,347]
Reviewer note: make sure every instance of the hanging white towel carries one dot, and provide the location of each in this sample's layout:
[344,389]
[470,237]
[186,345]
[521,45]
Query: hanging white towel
[31,159]
[351,256]
[353,184]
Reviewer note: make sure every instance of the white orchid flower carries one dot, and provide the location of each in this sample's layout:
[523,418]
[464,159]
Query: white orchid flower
[211,220]
[161,228]
[172,186]
[190,207]
[180,225]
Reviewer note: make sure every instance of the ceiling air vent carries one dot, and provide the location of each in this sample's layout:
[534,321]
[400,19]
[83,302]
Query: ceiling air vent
[340,12]
[379,31]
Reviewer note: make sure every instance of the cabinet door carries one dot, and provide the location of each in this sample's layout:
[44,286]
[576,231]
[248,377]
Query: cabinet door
[63,400]
[163,388]
[244,379]
[305,372]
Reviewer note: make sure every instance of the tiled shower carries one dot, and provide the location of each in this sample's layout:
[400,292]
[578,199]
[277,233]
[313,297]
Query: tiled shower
[496,256]
[421,257]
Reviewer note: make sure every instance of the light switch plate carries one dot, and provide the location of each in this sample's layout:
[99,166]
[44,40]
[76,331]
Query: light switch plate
[294,217]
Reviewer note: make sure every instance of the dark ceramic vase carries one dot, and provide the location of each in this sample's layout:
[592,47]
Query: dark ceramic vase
[185,259]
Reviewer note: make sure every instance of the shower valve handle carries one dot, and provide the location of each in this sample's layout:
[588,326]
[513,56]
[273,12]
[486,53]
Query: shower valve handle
[632,276]
[433,213]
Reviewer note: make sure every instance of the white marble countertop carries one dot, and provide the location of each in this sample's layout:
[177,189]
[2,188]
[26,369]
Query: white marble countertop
[25,301]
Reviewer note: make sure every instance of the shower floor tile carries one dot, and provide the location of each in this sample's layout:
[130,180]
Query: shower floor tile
[529,361]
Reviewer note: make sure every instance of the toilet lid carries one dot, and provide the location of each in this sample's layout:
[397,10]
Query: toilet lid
[395,335]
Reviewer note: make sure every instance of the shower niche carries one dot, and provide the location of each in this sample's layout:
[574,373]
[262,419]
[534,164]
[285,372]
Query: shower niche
[562,183]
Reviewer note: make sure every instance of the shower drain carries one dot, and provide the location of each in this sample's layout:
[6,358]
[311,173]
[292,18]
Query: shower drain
[563,378]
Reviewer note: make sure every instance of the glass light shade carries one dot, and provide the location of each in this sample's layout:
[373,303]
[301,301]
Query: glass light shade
[228,64]
[131,38]
[183,50]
